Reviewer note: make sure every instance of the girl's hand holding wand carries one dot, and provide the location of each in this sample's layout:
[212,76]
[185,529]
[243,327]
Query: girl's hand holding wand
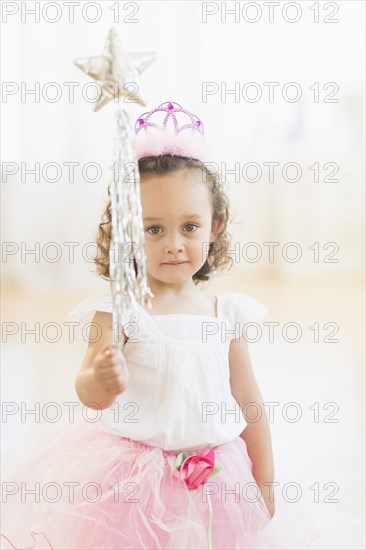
[110,370]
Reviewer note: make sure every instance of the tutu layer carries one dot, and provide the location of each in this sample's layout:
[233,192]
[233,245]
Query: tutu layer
[80,488]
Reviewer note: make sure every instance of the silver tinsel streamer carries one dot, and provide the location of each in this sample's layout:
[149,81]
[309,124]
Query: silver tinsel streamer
[127,234]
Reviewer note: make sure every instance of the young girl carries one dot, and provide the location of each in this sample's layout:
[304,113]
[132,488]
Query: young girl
[180,456]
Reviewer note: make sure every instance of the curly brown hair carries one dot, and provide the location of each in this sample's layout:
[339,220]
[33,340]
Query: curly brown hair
[218,257]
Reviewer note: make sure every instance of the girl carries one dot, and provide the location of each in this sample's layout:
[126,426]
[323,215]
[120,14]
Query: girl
[177,458]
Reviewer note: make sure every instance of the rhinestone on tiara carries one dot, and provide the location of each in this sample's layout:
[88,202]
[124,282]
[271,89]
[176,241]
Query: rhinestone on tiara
[168,116]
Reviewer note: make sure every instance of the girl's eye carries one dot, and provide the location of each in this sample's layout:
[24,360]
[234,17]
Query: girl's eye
[191,225]
[150,228]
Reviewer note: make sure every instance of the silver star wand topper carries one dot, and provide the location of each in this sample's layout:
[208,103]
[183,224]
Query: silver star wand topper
[118,72]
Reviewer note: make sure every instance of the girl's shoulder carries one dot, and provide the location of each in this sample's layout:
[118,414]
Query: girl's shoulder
[97,302]
[83,313]
[240,307]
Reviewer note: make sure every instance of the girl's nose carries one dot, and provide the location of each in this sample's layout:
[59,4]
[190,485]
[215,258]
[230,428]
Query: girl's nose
[174,245]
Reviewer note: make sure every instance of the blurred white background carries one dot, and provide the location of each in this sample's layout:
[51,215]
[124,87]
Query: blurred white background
[317,215]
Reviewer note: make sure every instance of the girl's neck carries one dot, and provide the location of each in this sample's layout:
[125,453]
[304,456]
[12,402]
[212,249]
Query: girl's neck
[189,304]
[177,291]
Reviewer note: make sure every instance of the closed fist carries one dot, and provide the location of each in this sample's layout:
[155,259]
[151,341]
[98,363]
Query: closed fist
[110,370]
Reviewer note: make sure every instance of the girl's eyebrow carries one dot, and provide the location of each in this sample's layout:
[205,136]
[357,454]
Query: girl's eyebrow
[184,216]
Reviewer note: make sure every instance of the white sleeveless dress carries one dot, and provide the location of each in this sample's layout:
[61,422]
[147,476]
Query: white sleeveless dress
[179,394]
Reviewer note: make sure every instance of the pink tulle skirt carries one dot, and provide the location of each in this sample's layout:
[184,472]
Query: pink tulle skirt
[76,487]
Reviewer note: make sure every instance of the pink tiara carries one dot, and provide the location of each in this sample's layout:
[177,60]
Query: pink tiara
[170,129]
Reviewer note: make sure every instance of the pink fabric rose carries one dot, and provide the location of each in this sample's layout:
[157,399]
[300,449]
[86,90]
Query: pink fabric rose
[196,469]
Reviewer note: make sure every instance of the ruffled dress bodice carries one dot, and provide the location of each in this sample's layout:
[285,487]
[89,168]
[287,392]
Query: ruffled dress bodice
[179,394]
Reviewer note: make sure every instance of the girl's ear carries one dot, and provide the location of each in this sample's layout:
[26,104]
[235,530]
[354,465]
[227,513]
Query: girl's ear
[216,225]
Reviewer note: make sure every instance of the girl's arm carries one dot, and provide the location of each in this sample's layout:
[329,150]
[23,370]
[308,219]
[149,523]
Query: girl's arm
[87,388]
[256,434]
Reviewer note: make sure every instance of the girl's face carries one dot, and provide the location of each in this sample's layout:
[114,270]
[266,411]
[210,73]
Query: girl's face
[178,225]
